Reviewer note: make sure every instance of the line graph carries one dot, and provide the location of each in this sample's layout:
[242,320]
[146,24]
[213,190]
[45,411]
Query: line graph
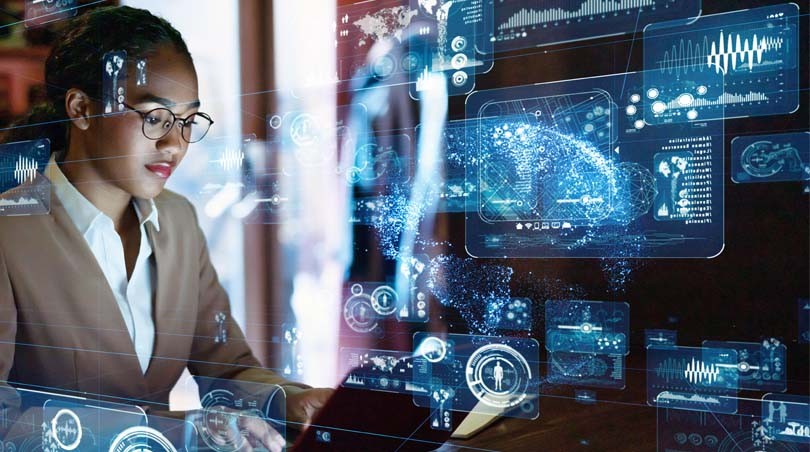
[25,170]
[755,51]
[231,159]
[728,51]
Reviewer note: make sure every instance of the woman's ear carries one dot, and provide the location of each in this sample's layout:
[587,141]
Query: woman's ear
[77,105]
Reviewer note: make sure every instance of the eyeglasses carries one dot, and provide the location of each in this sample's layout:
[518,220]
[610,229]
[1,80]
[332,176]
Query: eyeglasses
[158,123]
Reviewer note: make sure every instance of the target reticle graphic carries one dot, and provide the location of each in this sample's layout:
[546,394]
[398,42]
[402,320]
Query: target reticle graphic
[359,311]
[66,429]
[384,300]
[498,375]
[220,428]
[141,439]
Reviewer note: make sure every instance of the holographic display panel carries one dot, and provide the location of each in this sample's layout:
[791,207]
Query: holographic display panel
[761,366]
[756,50]
[570,169]
[533,23]
[488,374]
[692,378]
[587,342]
[786,418]
[23,191]
[770,158]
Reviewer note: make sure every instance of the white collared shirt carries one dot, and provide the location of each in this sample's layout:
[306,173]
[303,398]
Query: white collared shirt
[134,296]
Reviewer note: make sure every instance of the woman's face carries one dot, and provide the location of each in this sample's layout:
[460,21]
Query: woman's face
[115,144]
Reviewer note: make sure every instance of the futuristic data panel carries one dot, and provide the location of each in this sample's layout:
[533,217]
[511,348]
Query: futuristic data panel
[756,50]
[762,366]
[114,82]
[23,190]
[700,431]
[78,424]
[692,378]
[660,337]
[379,161]
[380,370]
[41,12]
[454,191]
[571,169]
[453,39]
[228,404]
[771,158]
[413,38]
[587,342]
[533,23]
[488,374]
[786,418]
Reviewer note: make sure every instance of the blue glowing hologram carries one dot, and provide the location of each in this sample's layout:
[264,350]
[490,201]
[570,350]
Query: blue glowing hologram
[23,190]
[803,315]
[499,372]
[756,50]
[292,366]
[761,366]
[453,190]
[379,161]
[674,200]
[587,342]
[786,417]
[225,405]
[700,431]
[600,370]
[771,158]
[660,337]
[76,423]
[517,315]
[38,12]
[361,26]
[569,169]
[692,378]
[587,326]
[522,24]
[441,404]
[585,396]
[380,370]
[114,82]
[359,312]
[452,39]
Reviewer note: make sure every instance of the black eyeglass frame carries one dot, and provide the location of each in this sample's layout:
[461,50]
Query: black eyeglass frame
[174,122]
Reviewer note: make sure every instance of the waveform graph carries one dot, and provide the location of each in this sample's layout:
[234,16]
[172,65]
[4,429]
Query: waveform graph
[522,24]
[692,378]
[231,159]
[755,50]
[23,191]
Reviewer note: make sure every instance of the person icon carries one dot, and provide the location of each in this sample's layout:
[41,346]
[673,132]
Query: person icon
[498,374]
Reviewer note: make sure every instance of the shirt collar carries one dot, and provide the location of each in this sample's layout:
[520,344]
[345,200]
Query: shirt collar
[82,212]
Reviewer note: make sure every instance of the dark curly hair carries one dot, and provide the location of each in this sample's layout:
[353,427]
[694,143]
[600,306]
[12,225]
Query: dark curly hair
[75,62]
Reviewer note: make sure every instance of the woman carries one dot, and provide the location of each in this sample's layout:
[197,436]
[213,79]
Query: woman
[113,293]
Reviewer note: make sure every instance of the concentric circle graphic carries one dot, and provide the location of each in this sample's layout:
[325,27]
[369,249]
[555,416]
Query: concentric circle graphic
[498,375]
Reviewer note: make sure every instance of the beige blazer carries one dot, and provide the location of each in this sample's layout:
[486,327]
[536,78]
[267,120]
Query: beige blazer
[61,329]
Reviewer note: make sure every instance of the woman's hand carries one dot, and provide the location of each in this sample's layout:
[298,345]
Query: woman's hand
[302,405]
[259,434]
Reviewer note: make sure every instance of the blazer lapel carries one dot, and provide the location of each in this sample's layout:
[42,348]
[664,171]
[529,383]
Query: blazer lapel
[113,347]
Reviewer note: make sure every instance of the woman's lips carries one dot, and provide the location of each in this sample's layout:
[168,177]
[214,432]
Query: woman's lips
[161,170]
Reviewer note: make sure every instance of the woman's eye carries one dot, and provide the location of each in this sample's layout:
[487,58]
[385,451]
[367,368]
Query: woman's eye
[152,120]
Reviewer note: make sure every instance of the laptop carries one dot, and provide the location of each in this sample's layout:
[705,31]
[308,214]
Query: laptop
[357,419]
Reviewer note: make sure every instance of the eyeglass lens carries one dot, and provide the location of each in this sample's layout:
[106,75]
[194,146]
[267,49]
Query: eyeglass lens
[158,123]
